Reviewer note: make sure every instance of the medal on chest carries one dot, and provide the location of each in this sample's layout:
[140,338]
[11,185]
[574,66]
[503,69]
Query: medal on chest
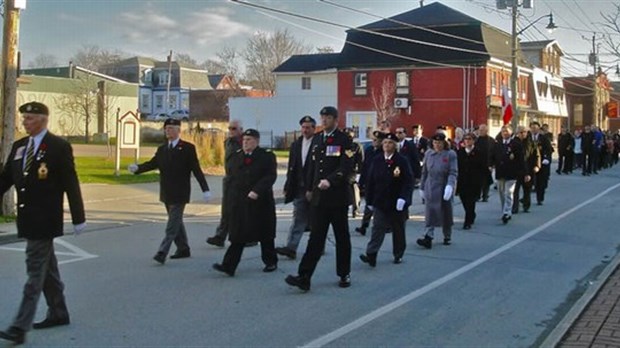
[396,172]
[42,172]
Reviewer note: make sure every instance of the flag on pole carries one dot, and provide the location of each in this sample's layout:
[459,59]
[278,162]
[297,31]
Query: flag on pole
[506,105]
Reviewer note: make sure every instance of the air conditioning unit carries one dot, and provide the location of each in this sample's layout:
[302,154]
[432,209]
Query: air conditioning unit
[401,103]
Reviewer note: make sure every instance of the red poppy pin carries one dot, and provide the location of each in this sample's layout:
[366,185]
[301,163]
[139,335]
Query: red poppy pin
[247,161]
[329,140]
[43,147]
[445,160]
[390,162]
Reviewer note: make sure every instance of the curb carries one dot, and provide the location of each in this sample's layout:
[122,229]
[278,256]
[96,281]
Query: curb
[573,314]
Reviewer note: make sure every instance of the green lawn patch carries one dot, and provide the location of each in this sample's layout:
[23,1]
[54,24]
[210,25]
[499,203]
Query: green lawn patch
[100,170]
[7,218]
[281,153]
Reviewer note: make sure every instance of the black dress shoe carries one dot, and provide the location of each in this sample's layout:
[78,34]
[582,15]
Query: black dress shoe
[220,268]
[291,254]
[467,227]
[160,257]
[270,268]
[14,334]
[216,240]
[47,323]
[345,281]
[447,241]
[361,230]
[505,218]
[426,242]
[539,203]
[398,260]
[181,254]
[301,282]
[371,261]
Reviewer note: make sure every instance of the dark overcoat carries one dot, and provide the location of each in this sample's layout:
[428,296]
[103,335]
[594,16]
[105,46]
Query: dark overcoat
[175,167]
[387,181]
[472,166]
[297,173]
[252,220]
[41,191]
[508,160]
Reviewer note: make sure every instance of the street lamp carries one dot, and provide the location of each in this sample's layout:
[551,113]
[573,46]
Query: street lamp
[514,77]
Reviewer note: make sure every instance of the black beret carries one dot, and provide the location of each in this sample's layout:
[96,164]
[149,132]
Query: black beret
[534,123]
[307,119]
[439,136]
[34,108]
[442,127]
[329,110]
[172,122]
[391,136]
[378,134]
[251,133]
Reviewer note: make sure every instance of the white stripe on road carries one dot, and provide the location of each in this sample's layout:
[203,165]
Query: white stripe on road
[381,311]
[80,253]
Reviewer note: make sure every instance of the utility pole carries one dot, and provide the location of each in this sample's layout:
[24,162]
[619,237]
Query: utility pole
[514,75]
[169,79]
[8,74]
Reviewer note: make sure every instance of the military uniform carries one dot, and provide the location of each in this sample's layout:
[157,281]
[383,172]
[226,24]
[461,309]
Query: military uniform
[255,220]
[389,180]
[42,169]
[175,163]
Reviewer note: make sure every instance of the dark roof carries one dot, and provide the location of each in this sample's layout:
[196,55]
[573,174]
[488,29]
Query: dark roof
[309,62]
[215,80]
[432,15]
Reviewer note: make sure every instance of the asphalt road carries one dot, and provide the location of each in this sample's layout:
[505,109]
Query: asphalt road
[496,286]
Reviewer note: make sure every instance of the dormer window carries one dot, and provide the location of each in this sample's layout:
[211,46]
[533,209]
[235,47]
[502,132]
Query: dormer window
[163,78]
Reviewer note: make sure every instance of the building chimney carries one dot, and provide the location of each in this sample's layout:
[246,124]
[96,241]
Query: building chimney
[421,3]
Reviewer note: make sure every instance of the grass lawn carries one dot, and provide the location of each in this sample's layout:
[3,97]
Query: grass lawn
[100,170]
[281,153]
[5,219]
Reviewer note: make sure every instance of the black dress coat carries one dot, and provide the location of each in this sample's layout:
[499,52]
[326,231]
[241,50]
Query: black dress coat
[40,194]
[332,159]
[472,166]
[387,181]
[252,220]
[297,173]
[175,167]
[508,160]
[410,152]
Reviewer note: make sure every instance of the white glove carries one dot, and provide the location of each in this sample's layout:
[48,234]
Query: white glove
[400,204]
[79,228]
[132,168]
[447,193]
[206,195]
[422,194]
[370,207]
[545,162]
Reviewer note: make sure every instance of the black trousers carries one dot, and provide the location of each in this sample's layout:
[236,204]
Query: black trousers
[235,250]
[527,192]
[468,199]
[565,162]
[542,181]
[487,180]
[322,218]
[587,162]
[366,217]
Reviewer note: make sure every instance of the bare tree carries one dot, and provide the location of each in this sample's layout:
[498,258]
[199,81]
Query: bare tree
[265,51]
[80,104]
[186,60]
[93,57]
[382,99]
[612,22]
[43,60]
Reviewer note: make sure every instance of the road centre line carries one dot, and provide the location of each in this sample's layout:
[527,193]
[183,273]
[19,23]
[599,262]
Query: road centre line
[381,311]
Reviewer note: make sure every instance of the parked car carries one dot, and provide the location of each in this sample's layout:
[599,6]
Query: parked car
[181,114]
[162,116]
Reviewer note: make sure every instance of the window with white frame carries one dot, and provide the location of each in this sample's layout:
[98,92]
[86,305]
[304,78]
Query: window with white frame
[306,82]
[159,101]
[163,78]
[402,83]
[361,83]
[172,102]
[146,102]
[494,83]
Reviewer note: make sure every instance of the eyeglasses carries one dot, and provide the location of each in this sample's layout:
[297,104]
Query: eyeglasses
[400,132]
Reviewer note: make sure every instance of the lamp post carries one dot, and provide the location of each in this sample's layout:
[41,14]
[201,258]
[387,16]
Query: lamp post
[514,75]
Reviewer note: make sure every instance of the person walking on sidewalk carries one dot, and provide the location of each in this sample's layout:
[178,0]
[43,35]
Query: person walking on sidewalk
[42,169]
[295,186]
[253,171]
[176,160]
[329,200]
[389,188]
[472,165]
[507,158]
[439,174]
[231,145]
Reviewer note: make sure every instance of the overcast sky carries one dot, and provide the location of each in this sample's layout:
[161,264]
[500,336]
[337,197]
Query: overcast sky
[202,27]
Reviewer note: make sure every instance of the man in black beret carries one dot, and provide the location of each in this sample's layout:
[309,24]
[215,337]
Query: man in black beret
[176,160]
[253,171]
[295,186]
[328,194]
[42,169]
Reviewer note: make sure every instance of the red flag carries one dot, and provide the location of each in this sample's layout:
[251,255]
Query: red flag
[506,105]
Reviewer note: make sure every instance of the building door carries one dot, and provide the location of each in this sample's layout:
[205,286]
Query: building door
[362,122]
